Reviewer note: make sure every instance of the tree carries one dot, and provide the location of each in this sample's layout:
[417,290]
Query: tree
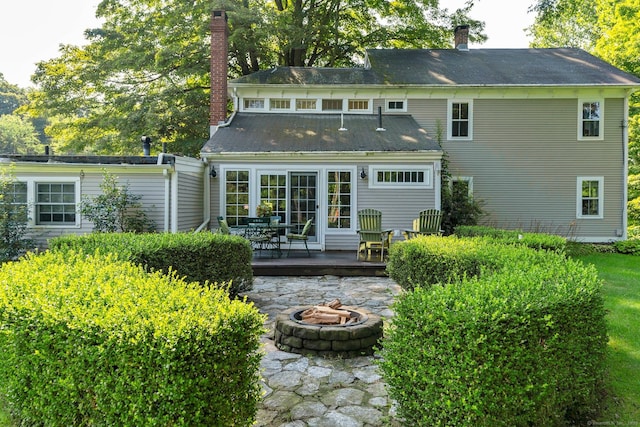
[116,209]
[18,135]
[13,218]
[146,70]
[565,23]
[11,96]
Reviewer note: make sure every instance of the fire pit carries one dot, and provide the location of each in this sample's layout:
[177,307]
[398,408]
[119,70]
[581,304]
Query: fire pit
[327,331]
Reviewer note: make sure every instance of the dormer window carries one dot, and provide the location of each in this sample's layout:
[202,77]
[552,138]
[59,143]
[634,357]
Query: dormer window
[306,104]
[332,105]
[279,104]
[396,106]
[358,105]
[254,103]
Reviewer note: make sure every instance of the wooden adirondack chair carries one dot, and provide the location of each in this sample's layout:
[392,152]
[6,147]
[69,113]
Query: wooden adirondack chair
[427,223]
[372,236]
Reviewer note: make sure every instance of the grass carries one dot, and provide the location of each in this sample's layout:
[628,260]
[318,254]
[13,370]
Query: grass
[621,276]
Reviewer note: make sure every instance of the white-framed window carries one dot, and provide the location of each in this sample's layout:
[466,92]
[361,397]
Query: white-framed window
[460,120]
[395,176]
[253,103]
[332,105]
[358,105]
[590,197]
[236,202]
[590,119]
[55,203]
[280,104]
[461,186]
[306,104]
[396,105]
[340,207]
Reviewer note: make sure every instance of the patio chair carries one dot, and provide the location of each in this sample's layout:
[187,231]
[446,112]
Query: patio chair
[223,226]
[259,232]
[427,223]
[372,236]
[302,236]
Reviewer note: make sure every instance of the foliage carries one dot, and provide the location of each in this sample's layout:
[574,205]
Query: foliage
[540,241]
[458,205]
[565,23]
[631,246]
[18,135]
[264,209]
[11,97]
[90,340]
[524,345]
[221,260]
[116,209]
[146,70]
[13,220]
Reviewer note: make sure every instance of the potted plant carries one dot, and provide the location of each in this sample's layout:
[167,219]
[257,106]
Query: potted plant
[264,209]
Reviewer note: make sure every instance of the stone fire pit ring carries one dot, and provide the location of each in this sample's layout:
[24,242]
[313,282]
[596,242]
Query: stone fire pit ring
[349,340]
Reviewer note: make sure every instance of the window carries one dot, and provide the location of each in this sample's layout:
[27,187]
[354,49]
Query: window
[236,196]
[461,187]
[459,114]
[305,104]
[332,105]
[396,106]
[358,105]
[55,203]
[273,189]
[590,197]
[254,104]
[590,119]
[339,199]
[402,177]
[279,104]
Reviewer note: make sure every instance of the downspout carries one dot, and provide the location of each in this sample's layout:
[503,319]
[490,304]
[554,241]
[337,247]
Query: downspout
[625,165]
[167,193]
[206,199]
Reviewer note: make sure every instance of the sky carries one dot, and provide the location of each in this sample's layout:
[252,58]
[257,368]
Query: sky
[33,30]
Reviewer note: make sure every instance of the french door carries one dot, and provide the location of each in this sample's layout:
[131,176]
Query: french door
[294,196]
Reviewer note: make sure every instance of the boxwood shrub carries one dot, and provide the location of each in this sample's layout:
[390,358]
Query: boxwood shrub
[92,340]
[428,260]
[523,345]
[540,241]
[222,260]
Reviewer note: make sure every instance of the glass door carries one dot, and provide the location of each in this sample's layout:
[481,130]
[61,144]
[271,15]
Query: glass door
[303,188]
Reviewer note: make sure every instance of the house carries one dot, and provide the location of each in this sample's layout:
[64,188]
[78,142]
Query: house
[172,189]
[538,135]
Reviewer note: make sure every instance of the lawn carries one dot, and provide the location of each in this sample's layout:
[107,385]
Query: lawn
[621,275]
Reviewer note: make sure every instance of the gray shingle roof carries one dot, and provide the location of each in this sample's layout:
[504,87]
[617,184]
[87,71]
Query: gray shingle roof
[450,67]
[250,133]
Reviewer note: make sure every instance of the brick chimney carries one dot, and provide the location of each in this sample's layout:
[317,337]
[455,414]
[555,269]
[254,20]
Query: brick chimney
[461,37]
[219,68]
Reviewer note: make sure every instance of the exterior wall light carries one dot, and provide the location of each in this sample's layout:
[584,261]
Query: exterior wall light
[363,174]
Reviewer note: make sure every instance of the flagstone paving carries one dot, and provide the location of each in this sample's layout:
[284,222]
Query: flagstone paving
[301,391]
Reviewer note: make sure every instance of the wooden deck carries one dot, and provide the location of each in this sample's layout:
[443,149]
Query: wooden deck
[336,263]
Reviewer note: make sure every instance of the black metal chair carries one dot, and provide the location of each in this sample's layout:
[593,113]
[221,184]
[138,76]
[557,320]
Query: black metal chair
[302,236]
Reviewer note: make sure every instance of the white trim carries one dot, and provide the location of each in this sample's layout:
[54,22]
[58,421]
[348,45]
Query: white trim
[32,182]
[395,110]
[450,103]
[468,179]
[600,136]
[579,181]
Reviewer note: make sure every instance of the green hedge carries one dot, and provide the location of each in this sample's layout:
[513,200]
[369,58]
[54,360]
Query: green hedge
[522,345]
[198,257]
[428,260]
[91,340]
[540,241]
